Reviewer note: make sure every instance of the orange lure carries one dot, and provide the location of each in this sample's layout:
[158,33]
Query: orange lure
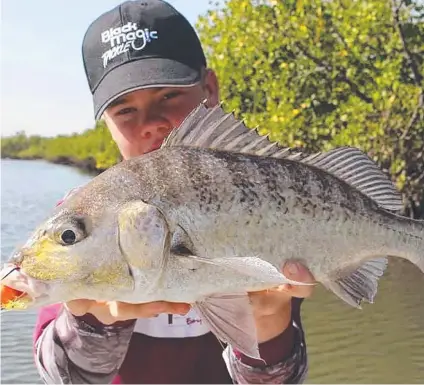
[8,294]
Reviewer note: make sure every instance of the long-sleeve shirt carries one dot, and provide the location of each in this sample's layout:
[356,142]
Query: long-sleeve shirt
[164,349]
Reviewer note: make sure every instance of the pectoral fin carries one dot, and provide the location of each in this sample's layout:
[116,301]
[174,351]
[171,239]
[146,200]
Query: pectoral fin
[143,235]
[230,318]
[144,240]
[250,266]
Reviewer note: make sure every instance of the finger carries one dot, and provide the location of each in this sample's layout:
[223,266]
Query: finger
[79,307]
[268,302]
[155,308]
[107,313]
[177,308]
[124,311]
[297,272]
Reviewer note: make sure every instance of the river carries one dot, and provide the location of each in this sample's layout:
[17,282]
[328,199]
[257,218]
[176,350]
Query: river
[383,343]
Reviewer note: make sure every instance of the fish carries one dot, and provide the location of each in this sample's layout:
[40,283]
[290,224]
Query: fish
[213,215]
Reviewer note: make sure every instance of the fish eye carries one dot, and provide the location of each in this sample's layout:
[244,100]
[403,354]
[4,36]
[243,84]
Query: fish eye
[69,231]
[68,237]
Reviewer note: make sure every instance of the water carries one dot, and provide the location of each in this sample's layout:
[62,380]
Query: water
[29,191]
[383,343]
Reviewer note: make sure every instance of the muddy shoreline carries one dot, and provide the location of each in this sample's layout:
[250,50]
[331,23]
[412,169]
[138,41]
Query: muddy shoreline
[87,165]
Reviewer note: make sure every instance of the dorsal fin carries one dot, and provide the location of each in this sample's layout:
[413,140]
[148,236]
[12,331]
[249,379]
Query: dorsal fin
[215,129]
[357,169]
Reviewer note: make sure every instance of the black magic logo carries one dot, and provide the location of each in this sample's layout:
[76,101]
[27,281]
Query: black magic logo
[122,38]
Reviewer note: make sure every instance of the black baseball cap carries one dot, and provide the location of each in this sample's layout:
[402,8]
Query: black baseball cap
[137,45]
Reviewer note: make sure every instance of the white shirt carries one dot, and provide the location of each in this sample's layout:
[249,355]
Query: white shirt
[172,326]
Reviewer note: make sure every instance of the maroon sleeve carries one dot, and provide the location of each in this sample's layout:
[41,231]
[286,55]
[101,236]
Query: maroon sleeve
[45,316]
[285,357]
[279,348]
[70,350]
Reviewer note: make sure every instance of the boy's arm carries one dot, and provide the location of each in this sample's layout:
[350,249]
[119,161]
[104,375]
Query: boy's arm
[71,349]
[285,357]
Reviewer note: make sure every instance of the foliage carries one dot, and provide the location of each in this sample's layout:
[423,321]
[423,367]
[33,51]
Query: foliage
[94,145]
[316,74]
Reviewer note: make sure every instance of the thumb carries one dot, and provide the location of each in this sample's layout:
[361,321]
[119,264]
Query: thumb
[297,272]
[79,307]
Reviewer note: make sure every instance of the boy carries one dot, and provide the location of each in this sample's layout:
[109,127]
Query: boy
[146,70]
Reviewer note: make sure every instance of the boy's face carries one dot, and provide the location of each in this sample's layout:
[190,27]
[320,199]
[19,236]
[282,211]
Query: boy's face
[140,120]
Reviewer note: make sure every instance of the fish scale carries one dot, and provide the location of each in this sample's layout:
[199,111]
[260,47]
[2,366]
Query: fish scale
[214,214]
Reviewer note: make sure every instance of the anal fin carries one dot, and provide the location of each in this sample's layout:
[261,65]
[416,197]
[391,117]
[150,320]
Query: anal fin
[230,318]
[361,285]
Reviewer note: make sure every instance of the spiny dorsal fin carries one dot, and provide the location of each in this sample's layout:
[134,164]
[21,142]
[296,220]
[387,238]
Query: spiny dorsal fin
[215,129]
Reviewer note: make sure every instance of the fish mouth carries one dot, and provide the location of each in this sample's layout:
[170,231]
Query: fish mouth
[20,301]
[19,291]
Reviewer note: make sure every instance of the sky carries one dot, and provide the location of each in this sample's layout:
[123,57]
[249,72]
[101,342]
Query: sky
[43,85]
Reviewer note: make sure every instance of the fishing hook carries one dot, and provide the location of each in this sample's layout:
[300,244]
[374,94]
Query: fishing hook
[10,272]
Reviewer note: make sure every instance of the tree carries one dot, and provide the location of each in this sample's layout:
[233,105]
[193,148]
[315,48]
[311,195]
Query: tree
[93,148]
[316,74]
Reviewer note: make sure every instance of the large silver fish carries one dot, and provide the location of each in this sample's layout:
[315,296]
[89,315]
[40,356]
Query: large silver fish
[212,215]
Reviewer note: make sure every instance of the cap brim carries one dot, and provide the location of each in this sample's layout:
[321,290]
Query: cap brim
[140,74]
